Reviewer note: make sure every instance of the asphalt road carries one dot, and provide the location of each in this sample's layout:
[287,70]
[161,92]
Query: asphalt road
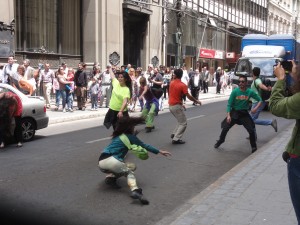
[55,178]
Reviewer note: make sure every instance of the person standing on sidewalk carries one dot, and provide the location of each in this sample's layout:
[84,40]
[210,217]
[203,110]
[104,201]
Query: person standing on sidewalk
[46,79]
[105,87]
[95,89]
[257,86]
[237,112]
[195,84]
[81,82]
[289,108]
[121,94]
[177,90]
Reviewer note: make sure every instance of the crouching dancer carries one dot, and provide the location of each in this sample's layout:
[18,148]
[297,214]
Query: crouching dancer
[237,112]
[112,162]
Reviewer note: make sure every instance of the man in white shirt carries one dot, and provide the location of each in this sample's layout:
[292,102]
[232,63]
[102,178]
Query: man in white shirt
[10,67]
[105,86]
[185,79]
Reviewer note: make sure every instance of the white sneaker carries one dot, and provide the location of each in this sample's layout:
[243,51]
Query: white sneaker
[64,110]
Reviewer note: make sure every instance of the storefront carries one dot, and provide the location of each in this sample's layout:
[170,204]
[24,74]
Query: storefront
[211,58]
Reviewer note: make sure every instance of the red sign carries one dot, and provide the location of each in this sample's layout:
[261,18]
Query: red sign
[207,53]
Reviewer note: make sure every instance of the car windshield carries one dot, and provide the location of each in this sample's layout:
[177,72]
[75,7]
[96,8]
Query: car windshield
[266,66]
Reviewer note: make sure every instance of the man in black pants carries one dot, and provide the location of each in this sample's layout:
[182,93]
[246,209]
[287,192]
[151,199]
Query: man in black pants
[237,112]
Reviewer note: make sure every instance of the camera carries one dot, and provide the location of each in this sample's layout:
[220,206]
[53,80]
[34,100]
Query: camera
[287,65]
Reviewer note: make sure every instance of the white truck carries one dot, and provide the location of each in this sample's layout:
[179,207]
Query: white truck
[264,51]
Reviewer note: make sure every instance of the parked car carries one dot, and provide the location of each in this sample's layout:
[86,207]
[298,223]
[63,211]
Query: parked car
[34,115]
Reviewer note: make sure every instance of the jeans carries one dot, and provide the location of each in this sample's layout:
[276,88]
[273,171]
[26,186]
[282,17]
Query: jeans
[61,93]
[69,99]
[94,100]
[256,115]
[293,168]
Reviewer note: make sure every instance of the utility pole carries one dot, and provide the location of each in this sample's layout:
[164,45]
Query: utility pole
[178,34]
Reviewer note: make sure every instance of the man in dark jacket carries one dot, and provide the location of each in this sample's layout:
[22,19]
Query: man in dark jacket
[81,82]
[194,84]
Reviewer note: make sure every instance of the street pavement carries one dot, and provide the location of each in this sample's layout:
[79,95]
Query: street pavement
[253,192]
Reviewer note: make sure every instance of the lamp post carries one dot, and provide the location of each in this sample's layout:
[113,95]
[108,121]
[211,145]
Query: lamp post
[178,34]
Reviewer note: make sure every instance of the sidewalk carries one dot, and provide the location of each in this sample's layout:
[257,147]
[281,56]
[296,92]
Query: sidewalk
[253,192]
[59,116]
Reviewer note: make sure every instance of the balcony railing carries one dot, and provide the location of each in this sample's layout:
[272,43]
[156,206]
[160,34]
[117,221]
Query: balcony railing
[140,3]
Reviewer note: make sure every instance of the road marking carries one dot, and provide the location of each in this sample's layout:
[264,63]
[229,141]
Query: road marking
[196,117]
[101,139]
[107,138]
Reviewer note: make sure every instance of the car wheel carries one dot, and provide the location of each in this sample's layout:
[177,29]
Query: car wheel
[28,129]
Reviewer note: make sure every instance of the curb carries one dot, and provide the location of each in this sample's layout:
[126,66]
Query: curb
[67,117]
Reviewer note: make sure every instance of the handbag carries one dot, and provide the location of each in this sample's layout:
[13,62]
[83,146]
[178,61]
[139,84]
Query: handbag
[137,150]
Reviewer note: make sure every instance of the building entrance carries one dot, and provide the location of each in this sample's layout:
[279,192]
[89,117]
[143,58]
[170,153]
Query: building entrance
[135,28]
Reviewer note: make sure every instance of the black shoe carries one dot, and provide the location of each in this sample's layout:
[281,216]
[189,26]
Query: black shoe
[219,142]
[148,129]
[274,124]
[254,149]
[172,136]
[138,194]
[178,142]
[112,181]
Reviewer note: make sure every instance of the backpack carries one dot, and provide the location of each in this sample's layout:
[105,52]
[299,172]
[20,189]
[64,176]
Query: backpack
[265,95]
[137,150]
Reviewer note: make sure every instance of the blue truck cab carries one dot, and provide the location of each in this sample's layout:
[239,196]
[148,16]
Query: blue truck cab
[264,51]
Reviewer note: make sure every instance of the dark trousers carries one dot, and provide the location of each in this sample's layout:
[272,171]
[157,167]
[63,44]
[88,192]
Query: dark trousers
[195,92]
[246,121]
[18,129]
[205,87]
[166,90]
[81,96]
[218,87]
[111,118]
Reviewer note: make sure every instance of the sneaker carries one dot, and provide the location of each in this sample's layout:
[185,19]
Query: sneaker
[64,110]
[274,124]
[254,149]
[219,142]
[2,145]
[149,129]
[178,142]
[19,144]
[71,110]
[112,181]
[138,194]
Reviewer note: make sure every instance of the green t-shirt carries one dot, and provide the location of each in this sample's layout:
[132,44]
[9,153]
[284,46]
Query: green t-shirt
[118,95]
[255,88]
[239,100]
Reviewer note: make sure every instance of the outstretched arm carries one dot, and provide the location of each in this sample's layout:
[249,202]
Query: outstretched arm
[112,75]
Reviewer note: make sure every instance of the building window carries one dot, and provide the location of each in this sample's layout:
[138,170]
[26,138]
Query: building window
[53,25]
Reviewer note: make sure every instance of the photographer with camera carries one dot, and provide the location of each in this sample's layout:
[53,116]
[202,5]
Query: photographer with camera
[288,107]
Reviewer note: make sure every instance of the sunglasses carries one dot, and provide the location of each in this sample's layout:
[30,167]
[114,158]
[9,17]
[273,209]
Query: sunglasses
[242,81]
